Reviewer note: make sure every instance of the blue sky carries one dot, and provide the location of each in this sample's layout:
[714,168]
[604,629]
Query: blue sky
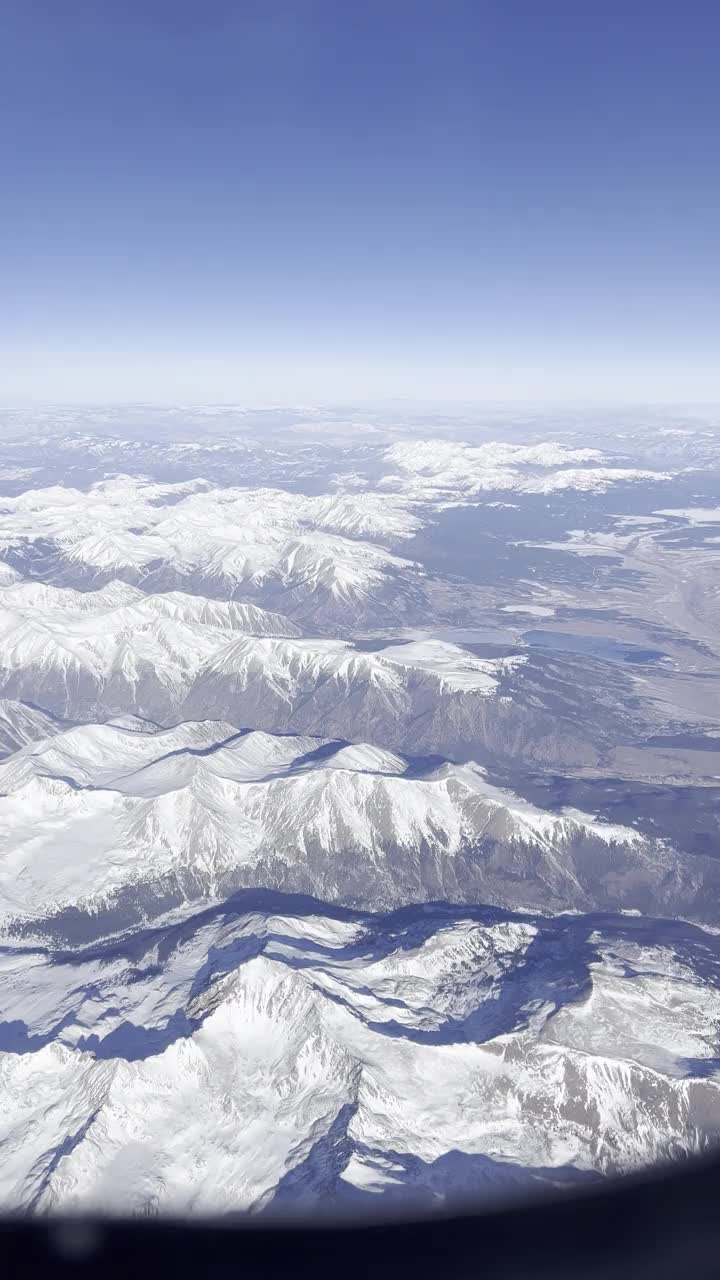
[278,200]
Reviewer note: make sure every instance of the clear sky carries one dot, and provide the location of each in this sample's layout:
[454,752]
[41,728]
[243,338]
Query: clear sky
[278,200]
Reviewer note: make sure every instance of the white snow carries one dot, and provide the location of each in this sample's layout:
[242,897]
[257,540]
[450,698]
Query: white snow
[694,515]
[456,667]
[230,536]
[534,610]
[444,1086]
[98,809]
[434,470]
[196,1053]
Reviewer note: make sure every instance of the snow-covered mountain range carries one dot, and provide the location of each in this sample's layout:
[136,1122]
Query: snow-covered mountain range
[327,871]
[326,553]
[341,553]
[271,1055]
[87,655]
[122,824]
[454,472]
